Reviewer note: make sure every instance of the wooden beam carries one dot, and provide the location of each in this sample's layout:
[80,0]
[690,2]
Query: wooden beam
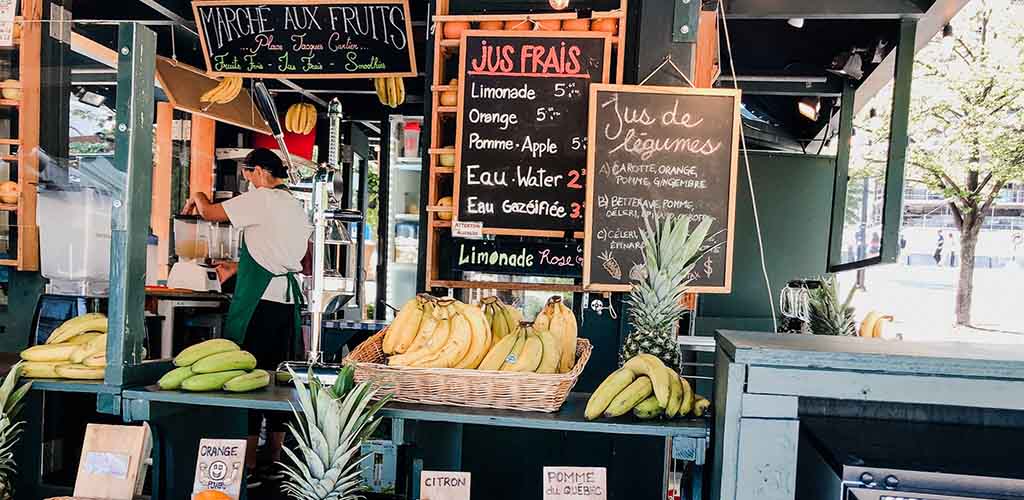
[160,213]
[706,67]
[203,155]
[30,74]
[92,49]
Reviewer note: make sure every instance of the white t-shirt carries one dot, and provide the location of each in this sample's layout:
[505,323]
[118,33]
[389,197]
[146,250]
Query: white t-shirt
[276,232]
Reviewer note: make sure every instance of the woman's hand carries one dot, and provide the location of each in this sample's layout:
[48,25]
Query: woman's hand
[226,269]
[200,204]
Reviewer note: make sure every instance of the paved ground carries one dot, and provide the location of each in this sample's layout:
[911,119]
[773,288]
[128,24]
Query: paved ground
[922,298]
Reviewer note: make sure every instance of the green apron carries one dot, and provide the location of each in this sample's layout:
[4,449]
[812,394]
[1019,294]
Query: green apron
[251,281]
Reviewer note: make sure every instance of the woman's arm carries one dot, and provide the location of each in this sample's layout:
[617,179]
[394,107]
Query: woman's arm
[201,204]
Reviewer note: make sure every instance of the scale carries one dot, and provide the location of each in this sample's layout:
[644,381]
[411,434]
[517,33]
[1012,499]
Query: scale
[327,292]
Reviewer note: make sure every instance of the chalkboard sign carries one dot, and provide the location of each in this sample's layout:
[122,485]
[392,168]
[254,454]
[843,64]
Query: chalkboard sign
[521,150]
[509,255]
[663,149]
[306,39]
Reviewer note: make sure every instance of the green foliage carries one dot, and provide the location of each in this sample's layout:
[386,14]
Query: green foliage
[10,406]
[828,315]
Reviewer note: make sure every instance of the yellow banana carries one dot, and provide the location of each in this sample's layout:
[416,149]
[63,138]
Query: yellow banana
[378,85]
[603,395]
[310,119]
[648,409]
[552,353]
[83,338]
[701,406]
[40,369]
[392,93]
[86,323]
[208,95]
[289,118]
[49,352]
[405,325]
[632,395]
[529,356]
[867,327]
[431,342]
[94,346]
[459,341]
[675,399]
[400,85]
[687,403]
[80,372]
[96,360]
[481,336]
[231,91]
[876,331]
[496,357]
[646,364]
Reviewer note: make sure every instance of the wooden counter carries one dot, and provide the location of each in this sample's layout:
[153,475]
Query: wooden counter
[763,379]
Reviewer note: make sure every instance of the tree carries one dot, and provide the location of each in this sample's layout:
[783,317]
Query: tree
[966,133]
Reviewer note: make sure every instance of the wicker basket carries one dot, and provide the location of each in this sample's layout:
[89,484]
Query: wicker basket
[470,388]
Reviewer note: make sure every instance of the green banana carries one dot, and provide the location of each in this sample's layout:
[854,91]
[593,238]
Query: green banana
[172,380]
[256,379]
[201,350]
[225,361]
[209,381]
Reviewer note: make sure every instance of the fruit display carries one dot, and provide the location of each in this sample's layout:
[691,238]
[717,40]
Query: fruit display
[438,333]
[300,118]
[561,322]
[492,25]
[77,349]
[9,191]
[390,91]
[214,365]
[225,91]
[606,25]
[874,324]
[503,318]
[670,251]
[450,97]
[648,389]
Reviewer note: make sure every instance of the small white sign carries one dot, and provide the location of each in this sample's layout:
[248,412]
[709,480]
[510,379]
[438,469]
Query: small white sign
[103,463]
[220,466]
[468,230]
[576,483]
[439,485]
[8,8]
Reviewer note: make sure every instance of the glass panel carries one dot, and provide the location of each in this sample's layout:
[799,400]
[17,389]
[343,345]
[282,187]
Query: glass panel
[865,190]
[403,218]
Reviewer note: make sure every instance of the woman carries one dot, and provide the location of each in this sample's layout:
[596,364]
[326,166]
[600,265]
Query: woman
[264,312]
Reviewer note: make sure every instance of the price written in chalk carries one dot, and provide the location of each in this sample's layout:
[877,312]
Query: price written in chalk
[575,483]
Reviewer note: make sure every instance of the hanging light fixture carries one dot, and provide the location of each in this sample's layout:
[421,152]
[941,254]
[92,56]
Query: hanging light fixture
[809,107]
[947,31]
[559,4]
[848,64]
[796,22]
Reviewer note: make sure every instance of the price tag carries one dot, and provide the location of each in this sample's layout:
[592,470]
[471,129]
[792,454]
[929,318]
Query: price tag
[439,485]
[469,230]
[220,465]
[576,483]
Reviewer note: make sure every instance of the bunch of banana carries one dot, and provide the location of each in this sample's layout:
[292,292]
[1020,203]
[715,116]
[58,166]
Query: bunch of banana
[561,322]
[527,349]
[390,91]
[874,324]
[300,118]
[648,388]
[503,318]
[77,349]
[437,333]
[225,91]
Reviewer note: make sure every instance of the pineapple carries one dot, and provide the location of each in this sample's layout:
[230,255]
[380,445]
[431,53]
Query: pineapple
[10,405]
[655,303]
[827,315]
[332,426]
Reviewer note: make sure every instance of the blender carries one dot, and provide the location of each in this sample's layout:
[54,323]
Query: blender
[196,243]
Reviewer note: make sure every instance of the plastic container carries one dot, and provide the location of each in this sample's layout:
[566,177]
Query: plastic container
[74,240]
[152,259]
[224,241]
[411,139]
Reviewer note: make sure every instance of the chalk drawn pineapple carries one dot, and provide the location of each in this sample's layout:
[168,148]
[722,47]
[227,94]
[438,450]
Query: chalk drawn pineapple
[611,265]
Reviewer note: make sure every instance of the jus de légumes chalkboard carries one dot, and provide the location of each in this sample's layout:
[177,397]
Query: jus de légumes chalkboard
[663,149]
[306,39]
[520,140]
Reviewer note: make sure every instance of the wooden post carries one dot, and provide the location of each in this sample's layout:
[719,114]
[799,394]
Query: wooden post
[28,134]
[203,155]
[160,216]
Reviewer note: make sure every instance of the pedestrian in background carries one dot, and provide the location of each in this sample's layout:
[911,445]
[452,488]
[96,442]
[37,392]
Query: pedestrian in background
[951,246]
[938,249]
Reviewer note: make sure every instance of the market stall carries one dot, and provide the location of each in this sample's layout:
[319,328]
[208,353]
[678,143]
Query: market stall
[590,169]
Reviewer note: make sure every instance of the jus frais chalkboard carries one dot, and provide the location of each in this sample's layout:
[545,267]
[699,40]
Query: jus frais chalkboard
[663,149]
[521,141]
[306,39]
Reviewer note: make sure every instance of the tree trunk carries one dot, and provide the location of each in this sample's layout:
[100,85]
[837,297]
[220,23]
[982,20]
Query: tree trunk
[965,283]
